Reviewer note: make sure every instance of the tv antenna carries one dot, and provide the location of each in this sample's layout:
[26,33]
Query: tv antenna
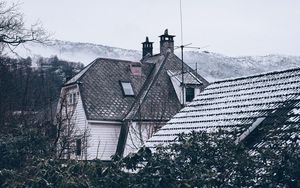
[182,46]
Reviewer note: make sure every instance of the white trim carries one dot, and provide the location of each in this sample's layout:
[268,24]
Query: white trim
[70,86]
[104,122]
[194,76]
[170,73]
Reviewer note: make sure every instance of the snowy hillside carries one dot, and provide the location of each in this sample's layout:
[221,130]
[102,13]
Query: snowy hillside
[212,66]
[77,52]
[215,66]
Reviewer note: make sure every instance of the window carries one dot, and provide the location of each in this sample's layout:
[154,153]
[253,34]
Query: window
[190,94]
[78,147]
[72,98]
[127,89]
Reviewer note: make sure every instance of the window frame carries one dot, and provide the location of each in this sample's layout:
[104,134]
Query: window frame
[123,90]
[186,89]
[72,98]
[78,147]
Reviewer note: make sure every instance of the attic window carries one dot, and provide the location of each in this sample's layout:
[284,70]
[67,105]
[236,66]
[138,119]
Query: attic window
[127,89]
[72,98]
[190,94]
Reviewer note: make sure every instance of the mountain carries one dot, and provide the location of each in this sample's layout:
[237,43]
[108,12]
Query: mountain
[214,66]
[210,65]
[76,51]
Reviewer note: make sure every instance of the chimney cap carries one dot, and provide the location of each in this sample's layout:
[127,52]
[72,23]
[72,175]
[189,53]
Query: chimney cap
[166,34]
[147,41]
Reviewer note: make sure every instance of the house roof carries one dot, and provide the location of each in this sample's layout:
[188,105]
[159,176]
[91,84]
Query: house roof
[154,99]
[237,104]
[188,77]
[158,100]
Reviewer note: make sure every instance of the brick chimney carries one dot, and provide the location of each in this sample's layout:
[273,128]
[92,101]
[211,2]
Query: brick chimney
[147,48]
[166,43]
[136,69]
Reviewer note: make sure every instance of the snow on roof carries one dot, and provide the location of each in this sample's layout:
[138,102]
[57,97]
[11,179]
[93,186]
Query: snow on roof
[236,104]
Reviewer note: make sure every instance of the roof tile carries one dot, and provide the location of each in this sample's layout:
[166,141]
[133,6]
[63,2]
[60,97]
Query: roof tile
[236,104]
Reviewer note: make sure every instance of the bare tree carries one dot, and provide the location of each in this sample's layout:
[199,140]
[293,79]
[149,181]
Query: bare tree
[13,31]
[141,131]
[71,140]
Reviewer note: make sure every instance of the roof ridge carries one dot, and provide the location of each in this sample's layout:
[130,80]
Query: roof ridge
[83,71]
[146,90]
[256,75]
[120,60]
[93,63]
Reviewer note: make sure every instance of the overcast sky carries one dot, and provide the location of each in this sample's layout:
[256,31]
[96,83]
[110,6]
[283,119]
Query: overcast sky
[230,27]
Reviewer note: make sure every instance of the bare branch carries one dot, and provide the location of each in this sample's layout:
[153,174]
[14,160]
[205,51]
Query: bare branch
[13,31]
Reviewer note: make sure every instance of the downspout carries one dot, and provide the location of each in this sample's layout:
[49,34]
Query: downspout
[123,138]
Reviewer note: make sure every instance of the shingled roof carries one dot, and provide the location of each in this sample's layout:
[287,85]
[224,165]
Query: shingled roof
[154,99]
[264,108]
[101,91]
[158,100]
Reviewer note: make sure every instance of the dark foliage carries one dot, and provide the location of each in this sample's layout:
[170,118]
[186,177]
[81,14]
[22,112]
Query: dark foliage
[197,160]
[26,90]
[27,105]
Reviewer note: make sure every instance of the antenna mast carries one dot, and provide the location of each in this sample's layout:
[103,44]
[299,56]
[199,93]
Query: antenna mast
[181,47]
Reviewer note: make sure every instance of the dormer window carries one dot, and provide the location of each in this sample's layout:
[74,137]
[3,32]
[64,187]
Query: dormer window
[190,94]
[127,88]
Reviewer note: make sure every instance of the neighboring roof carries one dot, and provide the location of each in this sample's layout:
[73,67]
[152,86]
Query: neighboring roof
[237,105]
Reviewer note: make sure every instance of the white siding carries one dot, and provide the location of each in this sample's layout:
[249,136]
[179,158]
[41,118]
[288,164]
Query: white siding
[75,111]
[177,88]
[79,115]
[134,140]
[103,140]
[197,91]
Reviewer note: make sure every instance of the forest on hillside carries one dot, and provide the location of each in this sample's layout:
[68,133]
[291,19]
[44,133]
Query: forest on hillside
[26,89]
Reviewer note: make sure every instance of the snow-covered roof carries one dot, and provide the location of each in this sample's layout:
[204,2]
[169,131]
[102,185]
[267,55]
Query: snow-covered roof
[236,104]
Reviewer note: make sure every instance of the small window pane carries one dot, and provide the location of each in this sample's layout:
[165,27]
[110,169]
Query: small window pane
[70,99]
[78,147]
[190,94]
[74,98]
[127,88]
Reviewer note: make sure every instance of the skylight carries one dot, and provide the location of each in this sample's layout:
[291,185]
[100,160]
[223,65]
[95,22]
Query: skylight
[127,89]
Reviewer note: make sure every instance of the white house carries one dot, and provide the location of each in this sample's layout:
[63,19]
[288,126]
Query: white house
[117,105]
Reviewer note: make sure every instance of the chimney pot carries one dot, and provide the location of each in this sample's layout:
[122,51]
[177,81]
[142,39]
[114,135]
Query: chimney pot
[166,43]
[147,48]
